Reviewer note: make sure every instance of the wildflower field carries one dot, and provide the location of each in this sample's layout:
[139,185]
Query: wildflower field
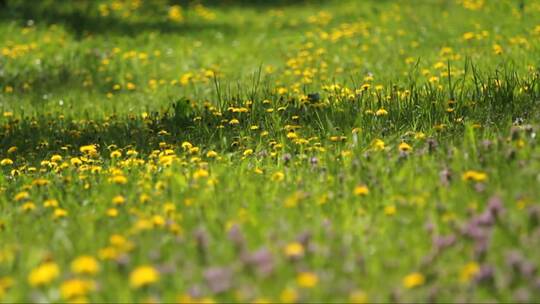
[269,151]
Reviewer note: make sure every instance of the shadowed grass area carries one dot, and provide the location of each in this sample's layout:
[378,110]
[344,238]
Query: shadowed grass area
[495,108]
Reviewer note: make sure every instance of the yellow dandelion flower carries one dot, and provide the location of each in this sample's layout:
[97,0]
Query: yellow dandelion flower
[116,154]
[289,295]
[378,144]
[75,161]
[413,280]
[132,153]
[169,208]
[307,279]
[119,179]
[118,200]
[292,135]
[536,29]
[335,138]
[5,284]
[211,154]
[56,158]
[6,162]
[361,190]
[143,276]
[144,198]
[390,210]
[419,135]
[200,173]
[475,176]
[278,176]
[43,274]
[108,253]
[166,160]
[468,36]
[21,196]
[60,213]
[258,171]
[294,250]
[88,149]
[29,206]
[50,203]
[469,271]
[40,182]
[381,112]
[119,241]
[175,13]
[158,221]
[112,212]
[76,288]
[85,264]
[186,145]
[404,147]
[497,49]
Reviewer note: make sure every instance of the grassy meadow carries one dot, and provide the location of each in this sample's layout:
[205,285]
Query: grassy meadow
[269,151]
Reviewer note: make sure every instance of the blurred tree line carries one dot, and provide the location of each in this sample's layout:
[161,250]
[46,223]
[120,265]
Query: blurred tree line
[90,3]
[83,17]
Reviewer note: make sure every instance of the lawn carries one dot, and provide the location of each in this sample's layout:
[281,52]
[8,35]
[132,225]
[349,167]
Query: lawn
[270,151]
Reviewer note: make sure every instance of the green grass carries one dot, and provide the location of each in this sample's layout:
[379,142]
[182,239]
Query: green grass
[255,151]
